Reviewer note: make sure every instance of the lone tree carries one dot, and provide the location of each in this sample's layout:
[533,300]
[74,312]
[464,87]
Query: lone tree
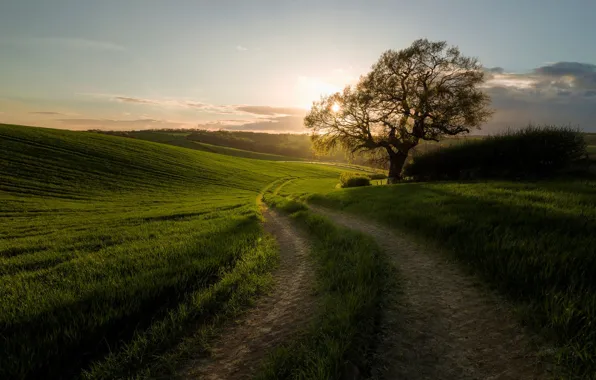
[424,92]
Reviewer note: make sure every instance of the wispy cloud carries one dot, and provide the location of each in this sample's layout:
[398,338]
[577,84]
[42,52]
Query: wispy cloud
[180,103]
[127,99]
[241,48]
[50,113]
[229,109]
[290,124]
[272,111]
[64,42]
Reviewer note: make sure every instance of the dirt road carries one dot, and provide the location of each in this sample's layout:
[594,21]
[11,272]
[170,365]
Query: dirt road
[445,325]
[241,348]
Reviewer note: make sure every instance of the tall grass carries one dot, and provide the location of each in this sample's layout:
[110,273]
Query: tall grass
[103,238]
[352,276]
[532,152]
[534,241]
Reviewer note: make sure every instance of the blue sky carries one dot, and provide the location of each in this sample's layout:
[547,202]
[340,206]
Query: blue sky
[256,65]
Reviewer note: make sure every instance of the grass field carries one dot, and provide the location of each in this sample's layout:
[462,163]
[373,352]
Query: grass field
[180,139]
[243,153]
[110,247]
[533,241]
[113,249]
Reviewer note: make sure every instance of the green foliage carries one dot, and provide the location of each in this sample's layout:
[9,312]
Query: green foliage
[302,188]
[377,176]
[534,241]
[212,306]
[104,239]
[352,277]
[352,179]
[527,153]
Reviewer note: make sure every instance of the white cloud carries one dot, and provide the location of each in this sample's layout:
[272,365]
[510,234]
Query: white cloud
[241,48]
[556,93]
[511,80]
[289,124]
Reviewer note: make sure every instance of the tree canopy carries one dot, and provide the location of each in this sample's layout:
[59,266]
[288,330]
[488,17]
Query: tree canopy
[424,92]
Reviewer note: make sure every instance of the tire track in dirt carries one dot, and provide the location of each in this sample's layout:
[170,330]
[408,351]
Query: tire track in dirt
[444,325]
[241,347]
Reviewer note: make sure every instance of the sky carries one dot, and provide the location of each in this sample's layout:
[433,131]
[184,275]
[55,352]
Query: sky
[258,65]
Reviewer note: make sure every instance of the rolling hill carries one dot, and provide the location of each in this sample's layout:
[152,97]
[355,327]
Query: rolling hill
[181,138]
[102,237]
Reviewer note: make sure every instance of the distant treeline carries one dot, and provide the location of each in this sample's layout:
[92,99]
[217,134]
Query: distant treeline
[287,144]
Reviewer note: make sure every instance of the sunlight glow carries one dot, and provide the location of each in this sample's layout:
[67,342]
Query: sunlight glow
[309,89]
[335,107]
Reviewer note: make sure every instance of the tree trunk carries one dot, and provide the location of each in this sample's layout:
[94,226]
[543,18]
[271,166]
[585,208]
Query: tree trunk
[396,164]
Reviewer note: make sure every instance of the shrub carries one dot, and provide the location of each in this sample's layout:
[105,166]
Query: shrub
[377,176]
[350,179]
[532,152]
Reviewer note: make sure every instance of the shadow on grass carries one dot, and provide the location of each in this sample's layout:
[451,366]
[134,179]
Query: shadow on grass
[537,247]
[57,342]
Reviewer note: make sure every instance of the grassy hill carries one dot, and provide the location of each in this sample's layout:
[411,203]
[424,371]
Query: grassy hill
[181,138]
[262,146]
[243,153]
[109,247]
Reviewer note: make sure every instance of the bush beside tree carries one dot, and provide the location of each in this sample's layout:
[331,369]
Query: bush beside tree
[532,152]
[351,179]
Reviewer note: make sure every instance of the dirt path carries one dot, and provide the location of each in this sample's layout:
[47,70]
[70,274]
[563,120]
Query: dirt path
[445,325]
[241,348]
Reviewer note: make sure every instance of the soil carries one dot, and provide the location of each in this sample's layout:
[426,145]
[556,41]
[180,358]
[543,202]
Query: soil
[241,348]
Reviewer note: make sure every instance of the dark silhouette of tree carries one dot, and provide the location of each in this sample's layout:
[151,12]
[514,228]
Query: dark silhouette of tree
[424,92]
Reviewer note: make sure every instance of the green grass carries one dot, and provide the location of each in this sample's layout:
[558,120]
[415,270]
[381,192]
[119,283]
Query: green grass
[110,247]
[534,241]
[181,139]
[302,187]
[352,282]
[243,153]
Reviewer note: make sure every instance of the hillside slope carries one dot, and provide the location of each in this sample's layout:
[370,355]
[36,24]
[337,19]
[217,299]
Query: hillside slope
[101,237]
[186,139]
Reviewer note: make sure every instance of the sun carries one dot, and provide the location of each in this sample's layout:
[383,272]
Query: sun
[335,107]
